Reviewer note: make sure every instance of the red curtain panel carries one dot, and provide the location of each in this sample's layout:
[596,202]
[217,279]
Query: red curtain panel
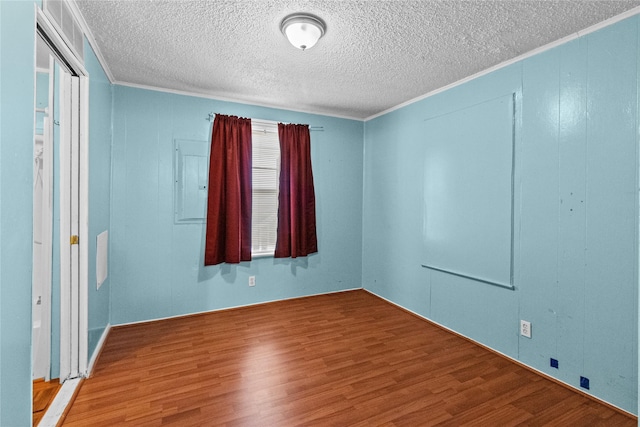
[228,237]
[297,203]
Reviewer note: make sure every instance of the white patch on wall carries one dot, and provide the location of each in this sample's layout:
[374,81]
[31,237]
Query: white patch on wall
[191,178]
[102,266]
[468,192]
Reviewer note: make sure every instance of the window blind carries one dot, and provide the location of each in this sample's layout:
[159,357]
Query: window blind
[265,174]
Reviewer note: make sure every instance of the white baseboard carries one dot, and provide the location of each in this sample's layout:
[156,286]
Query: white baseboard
[215,310]
[506,356]
[98,350]
[60,403]
[65,395]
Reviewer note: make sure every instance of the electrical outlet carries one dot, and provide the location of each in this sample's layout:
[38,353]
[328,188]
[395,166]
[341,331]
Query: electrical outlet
[525,328]
[252,280]
[584,382]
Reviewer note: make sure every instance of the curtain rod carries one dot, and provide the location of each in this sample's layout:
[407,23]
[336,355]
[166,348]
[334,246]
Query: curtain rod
[211,116]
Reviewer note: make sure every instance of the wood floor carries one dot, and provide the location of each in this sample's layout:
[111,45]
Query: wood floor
[346,359]
[43,394]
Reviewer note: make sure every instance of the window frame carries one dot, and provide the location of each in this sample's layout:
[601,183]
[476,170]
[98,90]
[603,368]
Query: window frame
[264,135]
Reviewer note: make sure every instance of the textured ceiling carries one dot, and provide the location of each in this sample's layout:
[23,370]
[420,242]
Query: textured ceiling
[374,55]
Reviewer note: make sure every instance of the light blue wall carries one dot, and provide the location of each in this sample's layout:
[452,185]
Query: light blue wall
[17,34]
[576,215]
[17,29]
[157,266]
[576,252]
[100,120]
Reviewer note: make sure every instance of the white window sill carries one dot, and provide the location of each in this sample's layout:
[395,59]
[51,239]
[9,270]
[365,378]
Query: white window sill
[262,255]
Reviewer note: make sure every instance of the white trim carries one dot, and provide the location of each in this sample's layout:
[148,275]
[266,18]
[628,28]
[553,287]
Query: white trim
[60,24]
[83,300]
[75,225]
[47,229]
[519,362]
[268,125]
[60,403]
[98,350]
[77,14]
[47,225]
[43,346]
[235,101]
[265,151]
[68,389]
[65,224]
[576,35]
[177,316]
[50,31]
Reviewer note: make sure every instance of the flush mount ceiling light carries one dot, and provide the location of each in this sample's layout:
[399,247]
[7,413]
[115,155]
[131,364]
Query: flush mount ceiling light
[303,30]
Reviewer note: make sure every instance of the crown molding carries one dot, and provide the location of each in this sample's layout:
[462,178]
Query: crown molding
[576,35]
[233,100]
[90,38]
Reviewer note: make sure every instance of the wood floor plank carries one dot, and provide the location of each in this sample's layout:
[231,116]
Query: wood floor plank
[331,360]
[43,394]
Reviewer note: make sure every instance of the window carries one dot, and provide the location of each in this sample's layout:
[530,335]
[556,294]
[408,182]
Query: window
[265,176]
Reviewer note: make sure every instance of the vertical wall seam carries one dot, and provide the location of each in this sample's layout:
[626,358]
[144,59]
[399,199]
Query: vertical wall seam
[109,255]
[558,201]
[513,189]
[637,205]
[586,198]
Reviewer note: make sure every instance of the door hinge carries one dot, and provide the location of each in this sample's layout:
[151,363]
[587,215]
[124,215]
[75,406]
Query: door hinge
[74,239]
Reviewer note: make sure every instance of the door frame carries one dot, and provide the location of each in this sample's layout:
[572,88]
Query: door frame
[46,224]
[73,285]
